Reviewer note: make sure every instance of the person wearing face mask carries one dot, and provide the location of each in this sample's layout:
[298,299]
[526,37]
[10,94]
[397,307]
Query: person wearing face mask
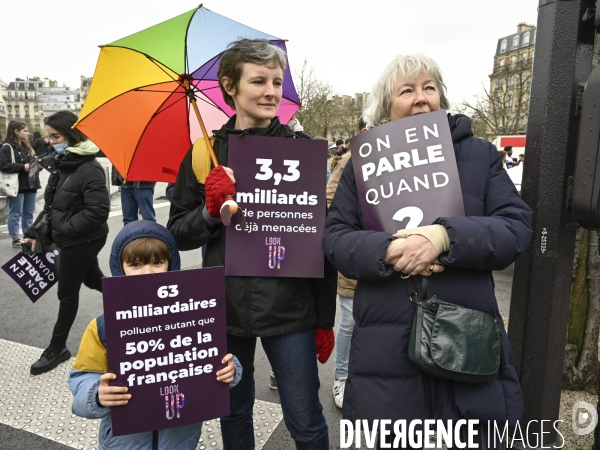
[77,204]
[21,207]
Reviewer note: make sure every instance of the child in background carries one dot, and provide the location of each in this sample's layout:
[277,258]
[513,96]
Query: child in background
[141,247]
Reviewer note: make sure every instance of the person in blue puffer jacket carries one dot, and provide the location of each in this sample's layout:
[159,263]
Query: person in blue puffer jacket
[141,247]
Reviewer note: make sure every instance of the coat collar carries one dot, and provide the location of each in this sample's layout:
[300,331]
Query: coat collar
[274,129]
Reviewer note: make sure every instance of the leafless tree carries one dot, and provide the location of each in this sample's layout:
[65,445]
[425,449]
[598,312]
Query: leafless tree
[504,106]
[318,111]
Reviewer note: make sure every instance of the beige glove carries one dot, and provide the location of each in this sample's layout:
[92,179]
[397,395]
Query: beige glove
[436,234]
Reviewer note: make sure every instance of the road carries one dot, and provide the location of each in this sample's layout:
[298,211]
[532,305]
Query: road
[38,408]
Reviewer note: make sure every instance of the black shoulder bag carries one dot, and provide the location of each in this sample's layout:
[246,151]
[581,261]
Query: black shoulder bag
[453,342]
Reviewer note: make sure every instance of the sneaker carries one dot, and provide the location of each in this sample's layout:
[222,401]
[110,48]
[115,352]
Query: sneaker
[272,381]
[338,391]
[49,360]
[16,243]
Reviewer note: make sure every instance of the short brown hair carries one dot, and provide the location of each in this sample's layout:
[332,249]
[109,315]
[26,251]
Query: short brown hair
[145,250]
[256,51]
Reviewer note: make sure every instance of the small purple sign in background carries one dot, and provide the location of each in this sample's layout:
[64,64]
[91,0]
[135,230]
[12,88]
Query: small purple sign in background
[35,273]
[165,339]
[406,174]
[280,185]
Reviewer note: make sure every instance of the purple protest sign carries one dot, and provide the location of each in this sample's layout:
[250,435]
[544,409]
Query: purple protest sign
[35,273]
[280,185]
[165,339]
[406,173]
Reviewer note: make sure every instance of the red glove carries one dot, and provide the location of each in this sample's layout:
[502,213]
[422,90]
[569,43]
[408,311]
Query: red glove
[324,341]
[218,186]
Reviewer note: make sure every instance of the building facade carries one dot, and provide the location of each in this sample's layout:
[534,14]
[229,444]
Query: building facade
[84,89]
[510,82]
[345,123]
[3,111]
[29,100]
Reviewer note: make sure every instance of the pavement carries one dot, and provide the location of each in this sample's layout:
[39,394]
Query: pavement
[35,411]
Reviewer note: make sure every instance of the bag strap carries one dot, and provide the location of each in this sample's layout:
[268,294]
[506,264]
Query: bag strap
[12,152]
[410,287]
[414,298]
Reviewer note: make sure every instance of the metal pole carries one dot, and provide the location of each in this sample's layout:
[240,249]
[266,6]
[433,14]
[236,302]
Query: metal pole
[542,276]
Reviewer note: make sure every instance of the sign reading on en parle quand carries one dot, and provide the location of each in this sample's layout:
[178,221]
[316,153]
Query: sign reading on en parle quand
[35,273]
[406,173]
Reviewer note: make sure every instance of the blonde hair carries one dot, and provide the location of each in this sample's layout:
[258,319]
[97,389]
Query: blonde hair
[408,67]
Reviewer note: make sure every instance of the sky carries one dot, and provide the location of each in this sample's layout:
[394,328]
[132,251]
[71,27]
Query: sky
[348,43]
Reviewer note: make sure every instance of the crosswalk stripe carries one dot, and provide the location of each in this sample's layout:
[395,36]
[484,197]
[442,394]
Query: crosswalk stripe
[41,404]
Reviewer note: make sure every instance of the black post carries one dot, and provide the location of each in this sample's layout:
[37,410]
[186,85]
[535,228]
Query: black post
[542,276]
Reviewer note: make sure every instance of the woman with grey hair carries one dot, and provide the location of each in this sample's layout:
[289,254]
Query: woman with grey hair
[453,257]
[292,316]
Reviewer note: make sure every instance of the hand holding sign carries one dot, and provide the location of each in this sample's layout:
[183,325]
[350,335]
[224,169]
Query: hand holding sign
[111,395]
[220,189]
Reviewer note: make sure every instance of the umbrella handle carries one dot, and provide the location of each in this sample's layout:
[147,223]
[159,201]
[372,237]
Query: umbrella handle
[233,207]
[213,157]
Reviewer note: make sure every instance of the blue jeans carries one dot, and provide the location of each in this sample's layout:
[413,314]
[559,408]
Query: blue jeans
[134,199]
[343,336]
[20,209]
[293,359]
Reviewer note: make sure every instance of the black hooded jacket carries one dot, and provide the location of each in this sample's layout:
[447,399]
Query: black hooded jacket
[256,306]
[76,198]
[22,157]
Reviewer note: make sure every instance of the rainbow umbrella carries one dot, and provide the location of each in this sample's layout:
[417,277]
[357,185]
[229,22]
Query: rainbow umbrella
[156,92]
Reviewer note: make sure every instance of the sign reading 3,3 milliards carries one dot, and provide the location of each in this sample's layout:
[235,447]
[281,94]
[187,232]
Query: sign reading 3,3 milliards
[280,186]
[266,173]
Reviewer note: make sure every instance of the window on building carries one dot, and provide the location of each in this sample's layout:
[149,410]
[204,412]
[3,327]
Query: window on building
[511,81]
[503,45]
[516,41]
[498,103]
[27,86]
[502,62]
[9,95]
[16,85]
[526,38]
[513,61]
[509,103]
[498,85]
[27,95]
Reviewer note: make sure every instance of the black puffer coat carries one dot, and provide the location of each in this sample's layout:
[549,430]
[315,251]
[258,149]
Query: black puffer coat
[22,157]
[383,383]
[256,306]
[79,204]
